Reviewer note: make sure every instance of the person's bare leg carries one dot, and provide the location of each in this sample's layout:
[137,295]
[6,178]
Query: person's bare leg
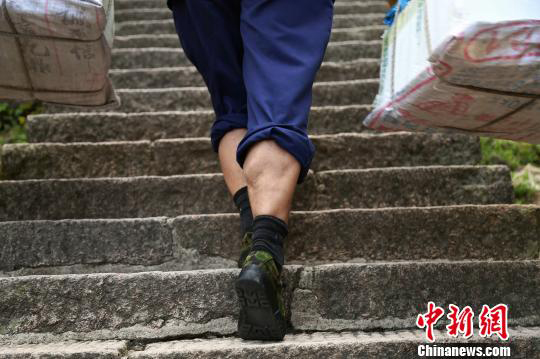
[236,183]
[271,174]
[232,172]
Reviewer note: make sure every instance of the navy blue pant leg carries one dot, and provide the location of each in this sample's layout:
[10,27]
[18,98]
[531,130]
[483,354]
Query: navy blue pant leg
[284,45]
[209,32]
[259,59]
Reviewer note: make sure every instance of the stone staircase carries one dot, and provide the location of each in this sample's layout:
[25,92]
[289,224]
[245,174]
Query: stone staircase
[118,238]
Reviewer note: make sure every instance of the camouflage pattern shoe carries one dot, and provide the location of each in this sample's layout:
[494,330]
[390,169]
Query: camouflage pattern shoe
[259,290]
[246,248]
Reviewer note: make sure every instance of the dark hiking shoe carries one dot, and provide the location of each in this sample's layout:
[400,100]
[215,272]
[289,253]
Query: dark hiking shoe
[246,248]
[259,290]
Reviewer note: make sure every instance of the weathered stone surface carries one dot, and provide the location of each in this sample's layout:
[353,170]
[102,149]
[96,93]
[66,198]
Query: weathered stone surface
[353,50]
[339,93]
[153,57]
[406,187]
[524,344]
[344,93]
[100,127]
[195,155]
[212,241]
[359,7]
[392,150]
[69,350]
[155,301]
[148,57]
[167,26]
[127,28]
[153,40]
[365,33]
[183,76]
[76,160]
[331,297]
[143,13]
[390,296]
[453,233]
[122,306]
[349,70]
[132,197]
[187,76]
[62,243]
[356,20]
[137,197]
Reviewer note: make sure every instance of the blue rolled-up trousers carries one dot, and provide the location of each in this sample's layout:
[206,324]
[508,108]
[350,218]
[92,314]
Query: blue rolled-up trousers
[258,59]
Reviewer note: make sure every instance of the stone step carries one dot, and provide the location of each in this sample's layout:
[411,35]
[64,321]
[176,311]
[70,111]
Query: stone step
[163,13]
[186,76]
[524,343]
[401,344]
[153,57]
[137,197]
[105,126]
[500,232]
[161,4]
[195,155]
[105,349]
[367,33]
[335,297]
[338,93]
[167,26]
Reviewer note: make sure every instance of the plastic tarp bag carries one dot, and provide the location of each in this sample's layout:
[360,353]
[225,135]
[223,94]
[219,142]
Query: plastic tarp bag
[391,14]
[57,51]
[462,66]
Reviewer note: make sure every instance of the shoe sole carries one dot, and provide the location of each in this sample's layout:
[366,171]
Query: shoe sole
[260,318]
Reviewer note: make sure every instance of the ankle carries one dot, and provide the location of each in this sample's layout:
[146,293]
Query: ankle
[269,234]
[241,200]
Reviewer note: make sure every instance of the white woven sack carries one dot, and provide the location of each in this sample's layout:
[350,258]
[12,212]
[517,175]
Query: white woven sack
[57,51]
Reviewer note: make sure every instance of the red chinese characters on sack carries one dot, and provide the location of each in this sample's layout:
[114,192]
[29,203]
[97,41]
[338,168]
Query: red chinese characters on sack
[504,42]
[461,322]
[459,105]
[494,321]
[429,320]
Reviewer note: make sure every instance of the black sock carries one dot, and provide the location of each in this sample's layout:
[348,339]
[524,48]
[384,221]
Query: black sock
[268,235]
[241,200]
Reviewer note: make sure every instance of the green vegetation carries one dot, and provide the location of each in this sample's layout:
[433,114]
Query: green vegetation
[524,191]
[515,155]
[13,120]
